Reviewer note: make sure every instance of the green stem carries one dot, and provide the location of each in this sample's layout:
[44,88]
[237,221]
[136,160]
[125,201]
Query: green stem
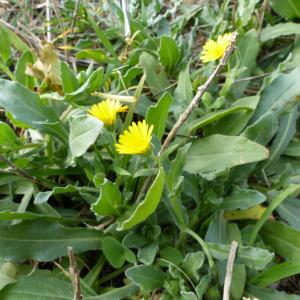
[181,239]
[6,70]
[129,116]
[181,271]
[195,217]
[290,190]
[205,248]
[49,146]
[112,275]
[132,107]
[92,276]
[32,145]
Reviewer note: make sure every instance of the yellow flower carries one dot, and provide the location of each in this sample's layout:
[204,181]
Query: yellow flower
[214,50]
[136,139]
[107,110]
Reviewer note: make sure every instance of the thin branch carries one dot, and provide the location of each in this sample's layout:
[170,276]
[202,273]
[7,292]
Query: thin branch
[196,100]
[194,103]
[48,20]
[73,269]
[102,225]
[262,15]
[229,269]
[127,31]
[17,171]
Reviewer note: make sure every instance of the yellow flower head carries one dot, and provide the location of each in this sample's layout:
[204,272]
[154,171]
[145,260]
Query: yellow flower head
[136,139]
[107,110]
[214,50]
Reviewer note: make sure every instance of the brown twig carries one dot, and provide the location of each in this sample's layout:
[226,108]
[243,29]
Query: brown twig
[103,225]
[194,103]
[261,16]
[73,269]
[229,269]
[201,90]
[17,171]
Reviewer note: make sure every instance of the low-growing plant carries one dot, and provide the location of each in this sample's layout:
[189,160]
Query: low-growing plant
[150,150]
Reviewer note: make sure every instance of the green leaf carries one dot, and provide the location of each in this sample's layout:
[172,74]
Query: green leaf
[254,213]
[203,285]
[293,149]
[172,255]
[110,200]
[93,83]
[146,277]
[121,171]
[101,35]
[148,206]
[134,240]
[8,138]
[8,274]
[157,114]
[289,8]
[69,81]
[276,273]
[5,280]
[114,252]
[176,166]
[145,172]
[245,9]
[43,197]
[192,262]
[247,51]
[155,75]
[26,107]
[125,292]
[284,239]
[269,294]
[169,53]
[97,55]
[286,131]
[41,285]
[289,211]
[262,130]
[234,123]
[184,90]
[4,45]
[217,231]
[146,254]
[218,152]
[242,199]
[11,215]
[239,277]
[278,94]
[84,131]
[20,75]
[214,116]
[44,241]
[281,29]
[256,258]
[289,191]
[14,39]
